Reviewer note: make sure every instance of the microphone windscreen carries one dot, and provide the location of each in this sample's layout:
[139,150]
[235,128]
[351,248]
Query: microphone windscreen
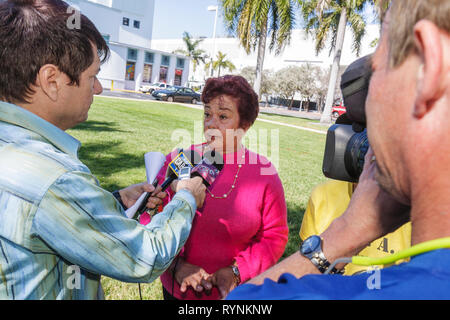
[215,158]
[193,156]
[209,168]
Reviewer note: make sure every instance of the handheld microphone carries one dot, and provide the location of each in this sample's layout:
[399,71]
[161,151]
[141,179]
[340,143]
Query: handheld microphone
[188,159]
[209,168]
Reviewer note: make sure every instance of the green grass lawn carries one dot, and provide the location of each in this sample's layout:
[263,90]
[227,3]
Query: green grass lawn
[119,132]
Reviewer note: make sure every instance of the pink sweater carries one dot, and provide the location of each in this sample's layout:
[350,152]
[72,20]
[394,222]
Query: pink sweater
[249,226]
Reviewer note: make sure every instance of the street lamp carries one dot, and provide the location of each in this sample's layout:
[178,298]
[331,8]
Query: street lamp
[216,9]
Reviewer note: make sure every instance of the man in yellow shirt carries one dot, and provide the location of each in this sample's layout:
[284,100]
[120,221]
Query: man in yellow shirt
[327,202]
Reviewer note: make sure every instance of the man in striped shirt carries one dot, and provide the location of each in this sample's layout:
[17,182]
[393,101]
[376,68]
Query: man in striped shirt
[59,230]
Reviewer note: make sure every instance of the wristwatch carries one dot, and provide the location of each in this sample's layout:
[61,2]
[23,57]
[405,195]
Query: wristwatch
[311,248]
[116,195]
[236,273]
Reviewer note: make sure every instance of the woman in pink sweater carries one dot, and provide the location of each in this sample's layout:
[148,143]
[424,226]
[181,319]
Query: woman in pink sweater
[241,230]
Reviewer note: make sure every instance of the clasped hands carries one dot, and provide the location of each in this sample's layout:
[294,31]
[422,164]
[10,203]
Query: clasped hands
[189,275]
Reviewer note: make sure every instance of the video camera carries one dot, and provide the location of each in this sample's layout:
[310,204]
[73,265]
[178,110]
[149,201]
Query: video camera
[347,142]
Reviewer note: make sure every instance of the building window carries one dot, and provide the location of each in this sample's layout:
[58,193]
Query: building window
[165,60]
[136,24]
[147,74]
[149,57]
[178,76]
[163,74]
[126,21]
[132,54]
[180,63]
[130,71]
[131,64]
[148,67]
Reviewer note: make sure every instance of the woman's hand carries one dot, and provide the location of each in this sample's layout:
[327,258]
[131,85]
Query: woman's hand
[225,280]
[189,275]
[132,193]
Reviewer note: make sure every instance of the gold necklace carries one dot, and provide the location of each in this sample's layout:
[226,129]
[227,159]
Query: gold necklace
[232,186]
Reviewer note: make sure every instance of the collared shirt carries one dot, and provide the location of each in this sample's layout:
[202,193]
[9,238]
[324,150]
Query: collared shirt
[59,230]
[425,277]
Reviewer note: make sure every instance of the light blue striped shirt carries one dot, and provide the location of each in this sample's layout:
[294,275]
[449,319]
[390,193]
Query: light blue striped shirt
[59,230]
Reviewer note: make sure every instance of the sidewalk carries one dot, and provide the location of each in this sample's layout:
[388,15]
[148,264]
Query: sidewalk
[123,94]
[272,110]
[313,115]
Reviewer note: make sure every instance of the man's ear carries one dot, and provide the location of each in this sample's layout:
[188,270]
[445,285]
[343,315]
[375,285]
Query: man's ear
[429,85]
[49,81]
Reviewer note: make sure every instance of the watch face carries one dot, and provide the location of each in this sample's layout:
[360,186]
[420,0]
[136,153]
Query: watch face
[310,244]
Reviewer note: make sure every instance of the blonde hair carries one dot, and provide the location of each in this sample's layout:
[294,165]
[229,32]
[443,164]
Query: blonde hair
[403,16]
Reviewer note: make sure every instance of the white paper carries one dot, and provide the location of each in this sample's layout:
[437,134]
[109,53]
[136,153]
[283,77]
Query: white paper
[132,210]
[154,161]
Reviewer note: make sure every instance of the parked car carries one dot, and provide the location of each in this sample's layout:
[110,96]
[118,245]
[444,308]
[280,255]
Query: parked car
[338,110]
[178,94]
[149,88]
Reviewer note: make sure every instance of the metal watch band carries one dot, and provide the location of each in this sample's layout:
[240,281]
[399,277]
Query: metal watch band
[316,256]
[236,273]
[319,260]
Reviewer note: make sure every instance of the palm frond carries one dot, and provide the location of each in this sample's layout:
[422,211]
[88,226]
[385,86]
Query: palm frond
[358,26]
[285,17]
[322,20]
[248,19]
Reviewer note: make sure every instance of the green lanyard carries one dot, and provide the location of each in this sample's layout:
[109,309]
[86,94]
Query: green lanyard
[410,252]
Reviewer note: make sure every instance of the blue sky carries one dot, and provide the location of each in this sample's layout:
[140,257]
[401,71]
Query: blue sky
[173,17]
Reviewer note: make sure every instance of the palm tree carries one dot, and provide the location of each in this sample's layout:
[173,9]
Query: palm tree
[221,63]
[197,55]
[253,20]
[330,17]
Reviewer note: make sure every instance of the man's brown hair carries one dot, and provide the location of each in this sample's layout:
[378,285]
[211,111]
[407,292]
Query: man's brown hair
[34,33]
[403,16]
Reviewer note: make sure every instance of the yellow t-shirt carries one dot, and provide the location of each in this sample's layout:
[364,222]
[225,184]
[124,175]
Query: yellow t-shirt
[327,202]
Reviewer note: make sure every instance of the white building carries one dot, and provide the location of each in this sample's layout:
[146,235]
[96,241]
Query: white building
[127,27]
[301,50]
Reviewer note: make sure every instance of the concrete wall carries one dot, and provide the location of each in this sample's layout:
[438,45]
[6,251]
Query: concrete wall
[300,50]
[108,17]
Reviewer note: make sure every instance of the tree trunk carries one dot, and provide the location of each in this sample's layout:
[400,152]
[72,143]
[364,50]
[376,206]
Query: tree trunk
[212,68]
[291,103]
[260,59]
[326,115]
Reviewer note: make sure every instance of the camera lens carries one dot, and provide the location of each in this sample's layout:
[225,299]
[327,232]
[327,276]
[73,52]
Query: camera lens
[355,152]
